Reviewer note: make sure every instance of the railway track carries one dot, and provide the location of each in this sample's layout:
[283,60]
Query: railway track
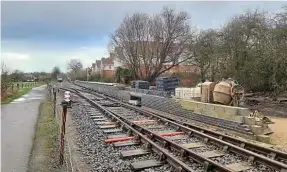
[266,151]
[186,149]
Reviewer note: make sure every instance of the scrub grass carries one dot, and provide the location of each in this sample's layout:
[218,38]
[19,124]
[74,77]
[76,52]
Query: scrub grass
[45,152]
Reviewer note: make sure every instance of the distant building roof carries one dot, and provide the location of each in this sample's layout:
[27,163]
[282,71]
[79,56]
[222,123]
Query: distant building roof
[107,61]
[98,63]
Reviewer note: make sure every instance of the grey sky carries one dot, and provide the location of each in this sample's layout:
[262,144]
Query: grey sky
[40,35]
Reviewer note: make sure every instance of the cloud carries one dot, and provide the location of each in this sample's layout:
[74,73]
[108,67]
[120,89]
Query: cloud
[15,60]
[45,60]
[38,35]
[88,55]
[14,56]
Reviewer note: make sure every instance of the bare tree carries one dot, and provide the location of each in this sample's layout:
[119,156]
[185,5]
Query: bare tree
[151,45]
[17,75]
[55,72]
[75,65]
[5,79]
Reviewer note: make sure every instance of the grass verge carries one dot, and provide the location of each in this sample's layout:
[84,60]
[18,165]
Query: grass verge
[44,154]
[18,94]
[12,97]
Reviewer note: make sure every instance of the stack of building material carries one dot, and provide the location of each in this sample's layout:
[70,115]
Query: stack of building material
[188,93]
[141,84]
[169,105]
[151,92]
[133,84]
[167,83]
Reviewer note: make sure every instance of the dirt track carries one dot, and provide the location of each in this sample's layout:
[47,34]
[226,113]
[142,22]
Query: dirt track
[280,131]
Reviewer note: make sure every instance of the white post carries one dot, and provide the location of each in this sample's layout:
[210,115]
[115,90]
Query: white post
[87,73]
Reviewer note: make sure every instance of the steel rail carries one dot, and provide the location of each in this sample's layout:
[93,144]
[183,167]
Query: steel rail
[164,155]
[268,152]
[207,163]
[254,157]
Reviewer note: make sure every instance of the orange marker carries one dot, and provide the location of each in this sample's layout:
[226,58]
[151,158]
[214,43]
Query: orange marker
[171,134]
[110,123]
[119,139]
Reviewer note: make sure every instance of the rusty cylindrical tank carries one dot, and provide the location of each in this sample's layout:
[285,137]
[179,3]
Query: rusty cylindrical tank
[223,93]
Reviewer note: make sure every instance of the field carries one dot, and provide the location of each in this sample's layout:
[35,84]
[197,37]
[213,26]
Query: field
[15,92]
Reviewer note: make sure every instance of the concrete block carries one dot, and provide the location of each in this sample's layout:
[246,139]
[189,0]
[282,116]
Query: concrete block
[189,105]
[226,116]
[198,110]
[201,106]
[256,129]
[249,120]
[208,112]
[239,119]
[219,109]
[230,110]
[243,111]
[210,107]
[263,138]
[266,129]
[258,123]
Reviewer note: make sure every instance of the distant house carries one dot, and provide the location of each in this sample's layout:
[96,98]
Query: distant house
[29,77]
[93,67]
[183,68]
[106,67]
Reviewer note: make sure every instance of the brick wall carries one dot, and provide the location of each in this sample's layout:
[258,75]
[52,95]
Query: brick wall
[108,74]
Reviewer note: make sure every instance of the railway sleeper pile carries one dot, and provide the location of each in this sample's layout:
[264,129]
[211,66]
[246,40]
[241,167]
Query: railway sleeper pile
[105,89]
[192,151]
[150,92]
[172,107]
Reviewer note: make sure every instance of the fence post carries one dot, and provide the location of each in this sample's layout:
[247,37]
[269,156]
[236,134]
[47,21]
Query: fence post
[54,96]
[63,131]
[66,104]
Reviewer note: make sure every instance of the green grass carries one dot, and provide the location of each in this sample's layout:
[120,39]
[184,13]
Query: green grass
[21,92]
[12,97]
[47,126]
[45,150]
[26,84]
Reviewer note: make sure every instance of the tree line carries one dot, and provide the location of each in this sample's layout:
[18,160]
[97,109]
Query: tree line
[250,48]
